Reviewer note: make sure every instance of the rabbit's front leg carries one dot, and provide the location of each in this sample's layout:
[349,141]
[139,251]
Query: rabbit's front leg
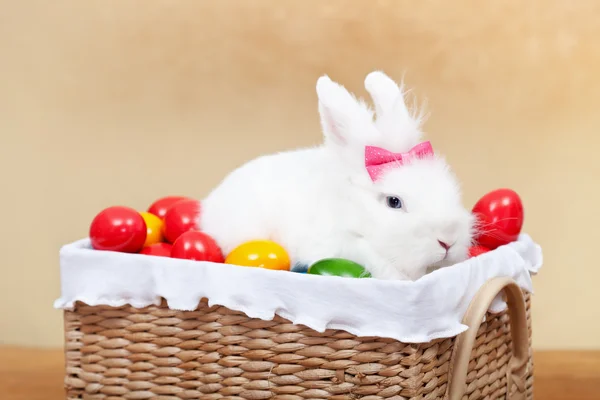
[382,269]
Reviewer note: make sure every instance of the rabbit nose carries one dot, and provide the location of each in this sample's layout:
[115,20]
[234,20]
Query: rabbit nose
[445,245]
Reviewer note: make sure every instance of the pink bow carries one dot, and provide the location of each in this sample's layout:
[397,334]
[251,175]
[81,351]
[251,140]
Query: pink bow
[378,159]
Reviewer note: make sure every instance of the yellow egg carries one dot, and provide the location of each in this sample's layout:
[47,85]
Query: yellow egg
[154,227]
[260,253]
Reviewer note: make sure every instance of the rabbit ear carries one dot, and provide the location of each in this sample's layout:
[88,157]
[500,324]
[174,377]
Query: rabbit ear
[387,96]
[399,125]
[343,118]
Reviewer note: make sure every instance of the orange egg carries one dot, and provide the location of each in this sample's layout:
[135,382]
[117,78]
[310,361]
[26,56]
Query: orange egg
[154,227]
[261,254]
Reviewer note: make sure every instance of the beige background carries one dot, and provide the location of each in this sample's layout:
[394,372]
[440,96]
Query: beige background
[120,102]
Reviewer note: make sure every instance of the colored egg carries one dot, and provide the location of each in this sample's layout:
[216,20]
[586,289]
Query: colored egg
[261,254]
[154,227]
[157,249]
[160,206]
[181,217]
[475,251]
[499,218]
[118,228]
[300,268]
[198,246]
[339,267]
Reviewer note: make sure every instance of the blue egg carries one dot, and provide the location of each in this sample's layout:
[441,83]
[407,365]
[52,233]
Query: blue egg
[300,267]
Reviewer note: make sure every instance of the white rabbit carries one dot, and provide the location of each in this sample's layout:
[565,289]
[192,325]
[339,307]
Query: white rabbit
[399,220]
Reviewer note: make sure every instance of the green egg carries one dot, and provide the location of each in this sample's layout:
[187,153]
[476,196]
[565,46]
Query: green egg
[338,267]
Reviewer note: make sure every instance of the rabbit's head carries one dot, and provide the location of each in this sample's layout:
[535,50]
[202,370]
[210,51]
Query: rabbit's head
[406,202]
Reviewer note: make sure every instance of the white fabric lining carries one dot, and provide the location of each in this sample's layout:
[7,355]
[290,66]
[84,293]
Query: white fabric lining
[411,312]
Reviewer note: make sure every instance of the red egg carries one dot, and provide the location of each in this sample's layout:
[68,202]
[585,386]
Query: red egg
[196,245]
[118,229]
[160,206]
[158,249]
[499,218]
[474,251]
[181,217]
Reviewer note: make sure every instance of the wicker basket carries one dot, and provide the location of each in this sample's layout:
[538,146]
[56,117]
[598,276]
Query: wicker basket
[216,353]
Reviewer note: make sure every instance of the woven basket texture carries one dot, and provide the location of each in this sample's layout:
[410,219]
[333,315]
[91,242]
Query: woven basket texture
[216,353]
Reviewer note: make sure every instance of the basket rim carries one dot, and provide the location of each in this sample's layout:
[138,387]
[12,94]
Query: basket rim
[411,312]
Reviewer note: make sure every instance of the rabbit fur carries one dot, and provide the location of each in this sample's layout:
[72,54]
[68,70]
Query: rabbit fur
[321,203]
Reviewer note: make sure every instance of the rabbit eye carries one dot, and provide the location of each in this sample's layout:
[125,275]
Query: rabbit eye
[393,202]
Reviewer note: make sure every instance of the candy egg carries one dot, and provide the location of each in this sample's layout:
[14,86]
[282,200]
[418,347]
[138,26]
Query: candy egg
[338,267]
[154,226]
[260,253]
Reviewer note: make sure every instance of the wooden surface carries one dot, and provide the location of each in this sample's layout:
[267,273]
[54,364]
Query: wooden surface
[32,374]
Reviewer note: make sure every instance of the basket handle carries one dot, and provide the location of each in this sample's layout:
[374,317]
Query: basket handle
[517,368]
